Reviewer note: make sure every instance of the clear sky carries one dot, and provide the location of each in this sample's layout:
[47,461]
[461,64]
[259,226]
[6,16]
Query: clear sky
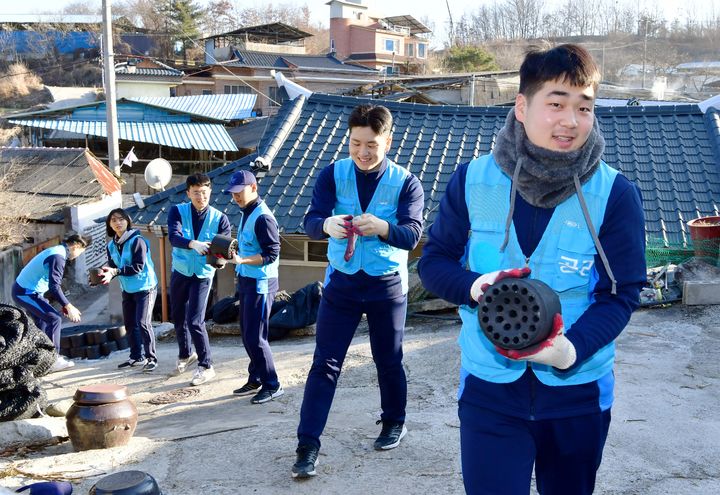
[435,10]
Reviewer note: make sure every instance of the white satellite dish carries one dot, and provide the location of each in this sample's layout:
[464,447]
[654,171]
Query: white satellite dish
[158,173]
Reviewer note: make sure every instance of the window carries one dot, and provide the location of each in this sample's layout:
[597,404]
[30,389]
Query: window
[389,70]
[422,47]
[207,91]
[237,89]
[317,251]
[410,49]
[392,45]
[277,97]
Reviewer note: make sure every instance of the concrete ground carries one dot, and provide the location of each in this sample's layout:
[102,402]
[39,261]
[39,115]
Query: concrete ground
[664,438]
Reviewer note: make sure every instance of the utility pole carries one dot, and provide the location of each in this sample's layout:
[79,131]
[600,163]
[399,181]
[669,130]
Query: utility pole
[110,98]
[452,28]
[645,21]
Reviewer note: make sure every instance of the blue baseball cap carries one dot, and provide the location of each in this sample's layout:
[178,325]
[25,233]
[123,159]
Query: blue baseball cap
[239,180]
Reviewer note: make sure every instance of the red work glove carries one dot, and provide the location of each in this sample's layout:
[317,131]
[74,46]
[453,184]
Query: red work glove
[352,233]
[484,281]
[556,351]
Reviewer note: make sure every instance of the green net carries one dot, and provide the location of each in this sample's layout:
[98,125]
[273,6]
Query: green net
[660,253]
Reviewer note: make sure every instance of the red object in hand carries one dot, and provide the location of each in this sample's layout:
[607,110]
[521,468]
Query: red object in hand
[534,349]
[352,233]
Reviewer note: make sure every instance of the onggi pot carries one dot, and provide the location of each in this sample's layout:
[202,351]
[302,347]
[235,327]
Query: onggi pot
[516,313]
[102,416]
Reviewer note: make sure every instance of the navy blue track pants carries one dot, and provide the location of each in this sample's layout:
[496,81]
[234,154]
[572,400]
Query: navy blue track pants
[45,317]
[338,318]
[255,318]
[189,297]
[137,310]
[498,452]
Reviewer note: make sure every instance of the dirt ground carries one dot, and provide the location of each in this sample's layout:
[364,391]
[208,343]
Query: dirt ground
[664,438]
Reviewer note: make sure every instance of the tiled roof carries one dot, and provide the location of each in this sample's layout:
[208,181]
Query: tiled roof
[301,62]
[159,70]
[671,152]
[49,179]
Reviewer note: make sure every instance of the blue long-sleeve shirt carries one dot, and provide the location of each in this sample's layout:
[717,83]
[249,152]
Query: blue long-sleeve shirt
[624,244]
[268,236]
[198,218]
[403,235]
[56,270]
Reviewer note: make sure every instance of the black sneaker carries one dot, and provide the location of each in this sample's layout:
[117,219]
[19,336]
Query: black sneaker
[390,435]
[150,366]
[267,394]
[131,363]
[305,462]
[247,389]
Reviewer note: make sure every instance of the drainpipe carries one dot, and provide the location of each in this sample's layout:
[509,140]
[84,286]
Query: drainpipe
[163,279]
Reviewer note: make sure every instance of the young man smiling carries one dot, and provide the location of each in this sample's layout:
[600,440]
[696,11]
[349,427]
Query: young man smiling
[542,205]
[191,228]
[368,197]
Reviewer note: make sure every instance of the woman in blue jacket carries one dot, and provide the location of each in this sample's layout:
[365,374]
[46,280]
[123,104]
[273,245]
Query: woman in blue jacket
[129,259]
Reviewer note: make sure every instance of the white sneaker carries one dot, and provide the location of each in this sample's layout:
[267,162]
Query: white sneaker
[61,364]
[182,364]
[202,375]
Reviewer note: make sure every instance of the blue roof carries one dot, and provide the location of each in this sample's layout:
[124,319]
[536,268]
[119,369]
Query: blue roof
[671,152]
[221,107]
[137,121]
[185,135]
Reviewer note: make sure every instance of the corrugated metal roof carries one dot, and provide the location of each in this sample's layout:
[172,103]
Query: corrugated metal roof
[221,107]
[198,136]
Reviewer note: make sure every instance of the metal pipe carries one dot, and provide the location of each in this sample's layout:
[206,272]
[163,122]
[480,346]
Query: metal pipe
[163,279]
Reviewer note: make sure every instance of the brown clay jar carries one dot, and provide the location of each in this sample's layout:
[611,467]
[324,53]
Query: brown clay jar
[101,417]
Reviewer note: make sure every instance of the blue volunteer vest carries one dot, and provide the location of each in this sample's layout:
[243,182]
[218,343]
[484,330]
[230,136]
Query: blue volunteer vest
[146,279]
[564,259]
[35,276]
[187,261]
[248,245]
[372,255]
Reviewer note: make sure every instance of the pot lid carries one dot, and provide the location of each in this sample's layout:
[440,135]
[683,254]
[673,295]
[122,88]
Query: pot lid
[101,393]
[127,483]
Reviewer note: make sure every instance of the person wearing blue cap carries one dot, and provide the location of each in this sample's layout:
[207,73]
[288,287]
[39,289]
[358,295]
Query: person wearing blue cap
[370,210]
[191,228]
[257,262]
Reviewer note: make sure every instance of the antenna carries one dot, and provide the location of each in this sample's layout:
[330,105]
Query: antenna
[158,173]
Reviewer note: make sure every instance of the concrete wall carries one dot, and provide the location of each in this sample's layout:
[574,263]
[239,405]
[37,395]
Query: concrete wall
[83,220]
[128,89]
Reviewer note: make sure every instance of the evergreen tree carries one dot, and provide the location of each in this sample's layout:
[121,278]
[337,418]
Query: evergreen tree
[469,59]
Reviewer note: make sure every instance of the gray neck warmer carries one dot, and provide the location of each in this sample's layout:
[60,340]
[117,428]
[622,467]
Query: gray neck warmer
[545,178]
